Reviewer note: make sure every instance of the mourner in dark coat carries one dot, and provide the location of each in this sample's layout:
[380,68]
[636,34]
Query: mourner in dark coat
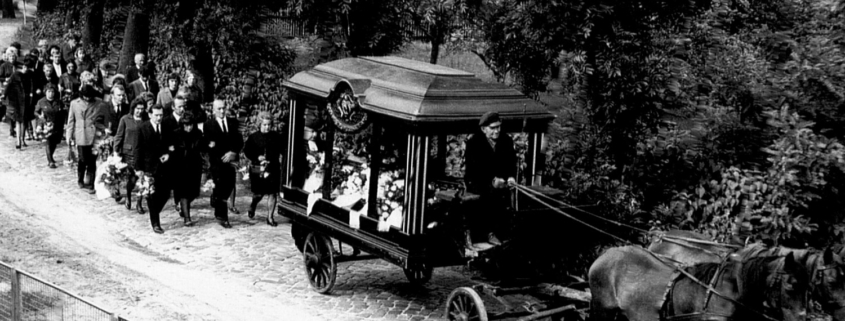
[53,113]
[490,170]
[189,145]
[7,68]
[264,151]
[225,142]
[133,72]
[126,144]
[155,146]
[19,93]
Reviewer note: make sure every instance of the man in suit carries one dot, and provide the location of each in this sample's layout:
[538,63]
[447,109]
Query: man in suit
[133,72]
[146,82]
[116,108]
[225,143]
[69,48]
[86,121]
[153,155]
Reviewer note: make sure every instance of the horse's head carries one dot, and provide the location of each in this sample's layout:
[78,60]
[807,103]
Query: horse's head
[789,289]
[829,283]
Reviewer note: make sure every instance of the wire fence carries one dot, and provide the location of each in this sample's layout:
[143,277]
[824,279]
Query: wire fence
[24,297]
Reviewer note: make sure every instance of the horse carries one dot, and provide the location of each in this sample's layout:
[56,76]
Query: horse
[631,283]
[826,270]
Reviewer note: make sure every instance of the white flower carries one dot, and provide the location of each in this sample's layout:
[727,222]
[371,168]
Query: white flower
[312,146]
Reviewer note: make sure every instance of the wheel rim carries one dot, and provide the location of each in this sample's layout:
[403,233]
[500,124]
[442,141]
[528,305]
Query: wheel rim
[464,304]
[319,262]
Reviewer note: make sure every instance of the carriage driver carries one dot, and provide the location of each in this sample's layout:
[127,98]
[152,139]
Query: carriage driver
[490,172]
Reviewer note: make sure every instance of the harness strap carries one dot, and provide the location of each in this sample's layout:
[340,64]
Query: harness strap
[715,292]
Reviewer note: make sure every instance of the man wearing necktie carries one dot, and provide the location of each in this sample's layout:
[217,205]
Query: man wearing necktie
[225,143]
[145,83]
[154,147]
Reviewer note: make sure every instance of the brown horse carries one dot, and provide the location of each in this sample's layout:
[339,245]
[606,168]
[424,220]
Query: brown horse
[628,283]
[825,269]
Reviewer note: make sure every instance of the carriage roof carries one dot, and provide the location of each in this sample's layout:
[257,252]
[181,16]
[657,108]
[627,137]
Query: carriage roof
[420,93]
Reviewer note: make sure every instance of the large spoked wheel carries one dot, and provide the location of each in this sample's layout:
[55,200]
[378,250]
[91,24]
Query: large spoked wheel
[418,275]
[464,304]
[320,266]
[298,232]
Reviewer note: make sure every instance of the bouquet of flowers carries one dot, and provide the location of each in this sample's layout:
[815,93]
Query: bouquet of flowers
[102,144]
[208,186]
[115,171]
[43,130]
[145,186]
[244,172]
[391,196]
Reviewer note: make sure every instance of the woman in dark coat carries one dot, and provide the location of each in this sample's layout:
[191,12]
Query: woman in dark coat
[264,151]
[19,94]
[188,146]
[126,145]
[7,68]
[69,83]
[54,114]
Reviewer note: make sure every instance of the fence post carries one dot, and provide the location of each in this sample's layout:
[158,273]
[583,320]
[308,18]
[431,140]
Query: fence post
[17,298]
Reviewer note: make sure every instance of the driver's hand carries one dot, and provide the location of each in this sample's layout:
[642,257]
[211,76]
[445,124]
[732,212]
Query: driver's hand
[511,182]
[498,183]
[228,157]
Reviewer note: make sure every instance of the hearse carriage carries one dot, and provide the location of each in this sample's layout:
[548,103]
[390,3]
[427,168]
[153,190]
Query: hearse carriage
[375,161]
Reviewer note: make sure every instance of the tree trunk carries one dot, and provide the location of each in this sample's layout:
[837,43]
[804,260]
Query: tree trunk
[71,18]
[93,24]
[45,6]
[435,51]
[136,38]
[203,65]
[8,9]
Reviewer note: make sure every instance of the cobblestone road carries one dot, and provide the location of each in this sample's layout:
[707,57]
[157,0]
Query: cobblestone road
[252,252]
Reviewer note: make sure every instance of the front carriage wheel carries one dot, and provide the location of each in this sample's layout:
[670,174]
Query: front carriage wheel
[419,275]
[320,267]
[464,304]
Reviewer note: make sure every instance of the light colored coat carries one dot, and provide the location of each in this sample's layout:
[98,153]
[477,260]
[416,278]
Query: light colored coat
[85,120]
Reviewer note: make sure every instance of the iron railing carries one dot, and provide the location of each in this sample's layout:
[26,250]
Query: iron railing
[24,297]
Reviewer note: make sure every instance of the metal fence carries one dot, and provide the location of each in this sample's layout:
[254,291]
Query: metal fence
[24,297]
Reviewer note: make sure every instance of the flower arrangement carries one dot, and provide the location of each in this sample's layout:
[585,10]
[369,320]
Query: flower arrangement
[145,186]
[115,171]
[244,171]
[356,180]
[43,130]
[208,186]
[102,144]
[391,194]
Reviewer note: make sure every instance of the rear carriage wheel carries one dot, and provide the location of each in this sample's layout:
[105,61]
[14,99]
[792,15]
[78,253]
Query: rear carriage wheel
[418,275]
[320,266]
[464,304]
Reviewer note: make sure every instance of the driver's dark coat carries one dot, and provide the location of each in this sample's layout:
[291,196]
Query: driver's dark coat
[483,163]
[151,146]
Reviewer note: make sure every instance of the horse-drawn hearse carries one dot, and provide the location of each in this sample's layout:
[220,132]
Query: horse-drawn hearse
[375,163]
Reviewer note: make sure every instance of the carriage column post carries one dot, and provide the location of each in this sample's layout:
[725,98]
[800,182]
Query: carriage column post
[416,166]
[295,121]
[534,159]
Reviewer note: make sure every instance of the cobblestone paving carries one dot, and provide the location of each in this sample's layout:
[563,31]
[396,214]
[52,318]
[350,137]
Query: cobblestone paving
[258,254]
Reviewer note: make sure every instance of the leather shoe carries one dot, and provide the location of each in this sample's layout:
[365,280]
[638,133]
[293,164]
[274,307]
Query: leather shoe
[250,214]
[271,222]
[158,230]
[234,210]
[128,204]
[225,224]
[89,190]
[188,223]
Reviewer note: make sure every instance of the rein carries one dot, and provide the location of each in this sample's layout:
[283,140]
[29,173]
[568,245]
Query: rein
[533,195]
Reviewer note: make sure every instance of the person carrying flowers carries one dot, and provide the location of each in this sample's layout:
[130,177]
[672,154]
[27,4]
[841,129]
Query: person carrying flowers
[263,148]
[52,114]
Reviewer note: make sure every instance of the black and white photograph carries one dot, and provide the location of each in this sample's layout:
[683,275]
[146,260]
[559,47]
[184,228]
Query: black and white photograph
[422,160]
